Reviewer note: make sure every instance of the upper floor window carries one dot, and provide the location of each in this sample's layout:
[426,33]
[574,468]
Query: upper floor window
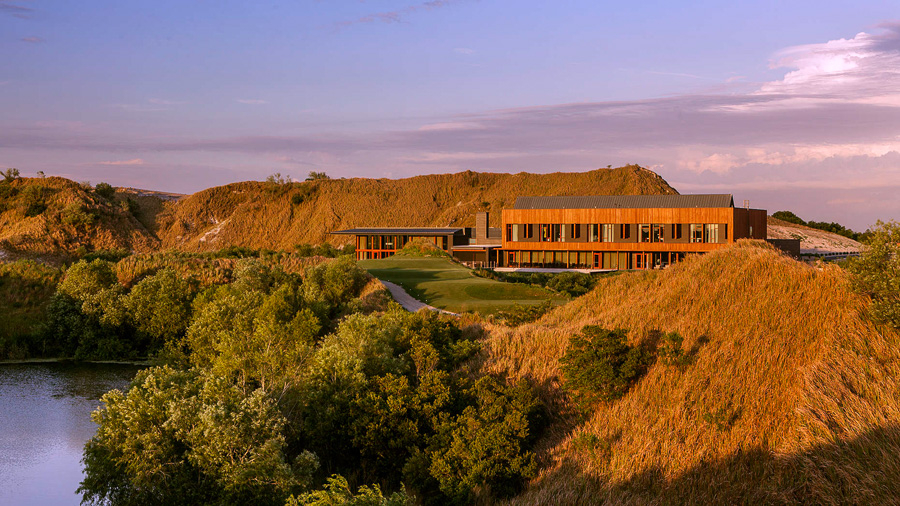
[711,233]
[644,232]
[656,233]
[696,232]
[607,232]
[593,232]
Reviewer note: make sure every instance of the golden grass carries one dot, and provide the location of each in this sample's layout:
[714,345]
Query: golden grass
[792,396]
[263,215]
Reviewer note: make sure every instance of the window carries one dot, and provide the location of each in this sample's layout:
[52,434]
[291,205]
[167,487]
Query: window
[656,233]
[576,231]
[711,233]
[593,235]
[696,232]
[509,233]
[608,233]
[546,233]
[676,234]
[556,233]
[625,231]
[644,233]
[527,231]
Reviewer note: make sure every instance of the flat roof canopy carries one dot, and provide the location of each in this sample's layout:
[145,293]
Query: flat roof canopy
[399,231]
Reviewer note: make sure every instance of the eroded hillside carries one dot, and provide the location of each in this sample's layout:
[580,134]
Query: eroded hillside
[55,216]
[279,216]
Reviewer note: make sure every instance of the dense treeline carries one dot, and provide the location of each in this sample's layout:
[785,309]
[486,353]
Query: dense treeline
[271,381]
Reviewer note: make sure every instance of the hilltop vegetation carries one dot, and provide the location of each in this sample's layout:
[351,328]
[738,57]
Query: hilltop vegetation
[788,392]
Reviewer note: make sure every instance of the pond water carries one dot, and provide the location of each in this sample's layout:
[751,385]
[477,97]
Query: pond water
[44,422]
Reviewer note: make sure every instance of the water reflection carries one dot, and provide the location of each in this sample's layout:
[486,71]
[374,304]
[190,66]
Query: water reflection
[44,423]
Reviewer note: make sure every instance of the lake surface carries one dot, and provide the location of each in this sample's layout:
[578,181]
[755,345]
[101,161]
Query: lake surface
[44,422]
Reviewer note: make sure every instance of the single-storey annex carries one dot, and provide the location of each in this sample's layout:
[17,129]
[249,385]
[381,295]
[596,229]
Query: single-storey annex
[589,232]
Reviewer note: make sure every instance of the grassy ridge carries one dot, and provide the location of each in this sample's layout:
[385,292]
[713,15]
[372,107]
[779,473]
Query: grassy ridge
[791,396]
[279,216]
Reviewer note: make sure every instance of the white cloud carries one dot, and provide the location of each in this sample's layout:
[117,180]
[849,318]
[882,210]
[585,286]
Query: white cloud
[252,101]
[463,50]
[135,161]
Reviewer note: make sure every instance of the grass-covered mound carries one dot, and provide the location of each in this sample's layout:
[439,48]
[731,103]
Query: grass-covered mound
[446,285]
[790,395]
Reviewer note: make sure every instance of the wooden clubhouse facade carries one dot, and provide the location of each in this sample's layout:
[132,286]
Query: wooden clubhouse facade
[592,233]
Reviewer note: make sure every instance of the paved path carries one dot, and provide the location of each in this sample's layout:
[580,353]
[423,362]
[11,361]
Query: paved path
[407,301]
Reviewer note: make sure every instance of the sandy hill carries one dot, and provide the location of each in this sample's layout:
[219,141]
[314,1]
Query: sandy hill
[792,396]
[811,240]
[56,216]
[279,216]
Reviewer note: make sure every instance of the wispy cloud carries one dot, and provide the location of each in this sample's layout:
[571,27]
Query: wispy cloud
[33,40]
[396,16]
[13,9]
[463,50]
[252,101]
[134,161]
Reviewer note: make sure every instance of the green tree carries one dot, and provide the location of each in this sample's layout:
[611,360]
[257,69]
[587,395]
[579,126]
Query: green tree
[160,307]
[182,437]
[337,493]
[877,272]
[10,174]
[317,176]
[487,445]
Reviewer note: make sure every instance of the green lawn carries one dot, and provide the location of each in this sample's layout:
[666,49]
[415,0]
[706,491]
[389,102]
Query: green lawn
[446,285]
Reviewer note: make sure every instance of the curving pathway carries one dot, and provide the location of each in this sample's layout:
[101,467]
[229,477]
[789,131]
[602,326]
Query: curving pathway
[407,301]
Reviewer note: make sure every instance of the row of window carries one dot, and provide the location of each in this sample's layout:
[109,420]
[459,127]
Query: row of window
[608,232]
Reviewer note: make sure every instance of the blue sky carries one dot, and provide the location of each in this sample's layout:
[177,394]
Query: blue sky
[793,105]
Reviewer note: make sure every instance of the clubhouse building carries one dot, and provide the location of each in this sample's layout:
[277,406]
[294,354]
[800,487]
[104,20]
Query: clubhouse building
[591,233]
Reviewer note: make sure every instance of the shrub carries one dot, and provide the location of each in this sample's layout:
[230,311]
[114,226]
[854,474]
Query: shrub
[76,215]
[33,198]
[599,366]
[10,174]
[524,313]
[671,352]
[572,283]
[105,190]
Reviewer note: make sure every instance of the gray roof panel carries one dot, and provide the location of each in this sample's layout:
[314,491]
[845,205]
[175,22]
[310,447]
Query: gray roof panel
[626,202]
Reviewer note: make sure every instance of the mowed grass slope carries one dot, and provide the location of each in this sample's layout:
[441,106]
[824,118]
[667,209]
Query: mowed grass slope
[792,396]
[443,284]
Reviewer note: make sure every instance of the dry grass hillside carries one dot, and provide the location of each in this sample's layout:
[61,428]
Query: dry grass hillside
[792,395]
[279,216]
[55,216]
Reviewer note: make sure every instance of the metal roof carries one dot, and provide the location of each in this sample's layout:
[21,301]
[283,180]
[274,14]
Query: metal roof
[625,201]
[399,231]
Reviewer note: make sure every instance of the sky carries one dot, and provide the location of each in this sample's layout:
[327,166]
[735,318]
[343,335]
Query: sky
[792,105]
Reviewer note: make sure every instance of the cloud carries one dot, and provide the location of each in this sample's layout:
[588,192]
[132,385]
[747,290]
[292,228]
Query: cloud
[33,40]
[252,101]
[12,9]
[463,50]
[135,161]
[396,16]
